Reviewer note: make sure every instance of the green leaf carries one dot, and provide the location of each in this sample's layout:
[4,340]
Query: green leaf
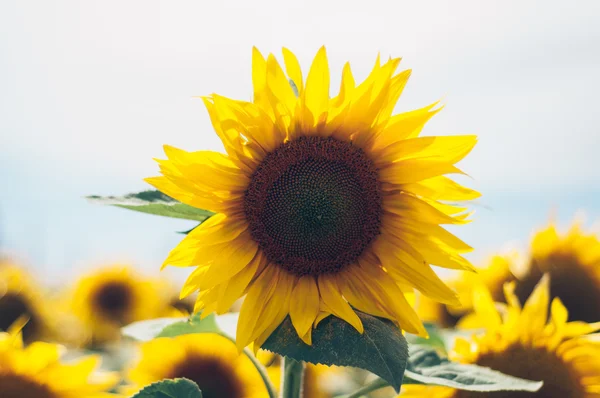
[381,349]
[176,388]
[153,202]
[425,366]
[149,329]
[170,327]
[193,325]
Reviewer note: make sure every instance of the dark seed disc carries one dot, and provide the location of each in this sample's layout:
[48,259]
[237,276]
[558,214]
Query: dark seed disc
[314,205]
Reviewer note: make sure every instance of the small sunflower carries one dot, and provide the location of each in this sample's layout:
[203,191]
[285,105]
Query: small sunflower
[209,360]
[331,200]
[523,342]
[20,296]
[36,371]
[110,298]
[573,261]
[493,277]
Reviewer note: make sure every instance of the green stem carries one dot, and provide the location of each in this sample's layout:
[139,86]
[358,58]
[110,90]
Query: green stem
[374,385]
[293,377]
[263,373]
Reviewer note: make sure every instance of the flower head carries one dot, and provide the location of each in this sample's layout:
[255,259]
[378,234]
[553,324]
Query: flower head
[36,371]
[20,297]
[525,342]
[324,205]
[112,297]
[573,262]
[210,360]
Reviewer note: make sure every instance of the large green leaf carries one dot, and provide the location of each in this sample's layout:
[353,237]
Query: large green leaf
[425,366]
[176,388]
[153,202]
[381,349]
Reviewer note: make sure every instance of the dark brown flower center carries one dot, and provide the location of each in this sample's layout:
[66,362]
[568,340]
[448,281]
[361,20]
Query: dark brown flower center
[216,379]
[576,288]
[15,386]
[314,205]
[559,379]
[12,306]
[113,300]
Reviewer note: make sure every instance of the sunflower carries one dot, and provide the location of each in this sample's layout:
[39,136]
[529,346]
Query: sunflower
[210,360]
[20,296]
[334,201]
[493,277]
[523,342]
[36,371]
[110,298]
[573,261]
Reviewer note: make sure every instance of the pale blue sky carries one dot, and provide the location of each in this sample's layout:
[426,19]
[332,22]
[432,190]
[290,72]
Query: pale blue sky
[89,92]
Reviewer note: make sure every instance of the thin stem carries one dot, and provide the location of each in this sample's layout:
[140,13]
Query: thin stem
[293,377]
[263,374]
[374,385]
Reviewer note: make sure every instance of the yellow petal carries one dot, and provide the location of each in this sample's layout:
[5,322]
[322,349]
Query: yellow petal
[346,88]
[415,170]
[332,297]
[259,78]
[390,297]
[316,95]
[449,149]
[292,67]
[483,305]
[235,287]
[405,125]
[441,188]
[277,309]
[396,87]
[258,294]
[304,307]
[399,258]
[229,262]
[535,310]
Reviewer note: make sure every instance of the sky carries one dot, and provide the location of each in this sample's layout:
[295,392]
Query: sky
[90,91]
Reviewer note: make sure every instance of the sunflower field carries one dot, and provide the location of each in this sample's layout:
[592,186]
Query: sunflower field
[323,257]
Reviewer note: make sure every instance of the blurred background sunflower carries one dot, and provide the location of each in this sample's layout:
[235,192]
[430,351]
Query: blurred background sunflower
[572,259]
[535,342]
[21,296]
[36,371]
[210,360]
[109,298]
